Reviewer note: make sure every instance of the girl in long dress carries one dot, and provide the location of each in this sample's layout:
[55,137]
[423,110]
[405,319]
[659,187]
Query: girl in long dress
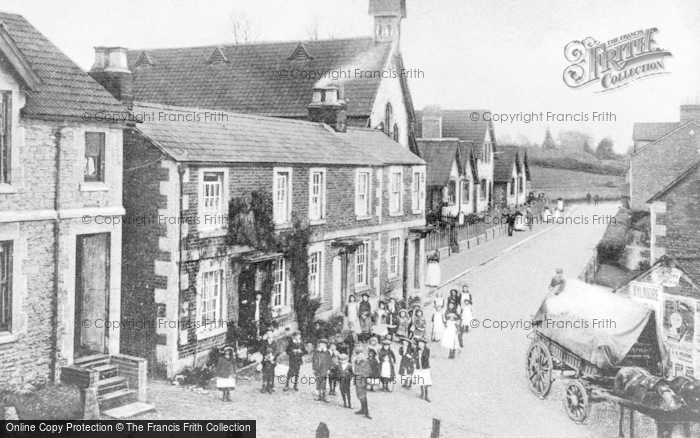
[450,339]
[421,373]
[351,317]
[433,273]
[418,325]
[379,328]
[402,331]
[387,359]
[438,323]
[406,366]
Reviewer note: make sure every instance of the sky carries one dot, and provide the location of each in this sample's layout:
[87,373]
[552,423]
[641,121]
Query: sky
[504,56]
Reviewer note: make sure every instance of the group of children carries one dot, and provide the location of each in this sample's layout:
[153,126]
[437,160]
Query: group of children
[365,357]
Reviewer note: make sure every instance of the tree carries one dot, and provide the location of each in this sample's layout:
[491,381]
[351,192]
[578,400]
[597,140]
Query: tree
[548,142]
[313,29]
[587,148]
[242,28]
[573,141]
[605,149]
[522,140]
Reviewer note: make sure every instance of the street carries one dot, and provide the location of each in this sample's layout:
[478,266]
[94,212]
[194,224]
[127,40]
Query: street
[483,392]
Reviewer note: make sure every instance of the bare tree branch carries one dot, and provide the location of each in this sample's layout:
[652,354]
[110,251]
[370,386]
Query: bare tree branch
[242,29]
[313,29]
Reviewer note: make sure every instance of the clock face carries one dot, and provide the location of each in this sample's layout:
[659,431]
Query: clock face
[676,320]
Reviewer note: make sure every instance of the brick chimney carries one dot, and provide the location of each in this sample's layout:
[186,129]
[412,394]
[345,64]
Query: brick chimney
[111,70]
[387,19]
[690,113]
[328,106]
[432,122]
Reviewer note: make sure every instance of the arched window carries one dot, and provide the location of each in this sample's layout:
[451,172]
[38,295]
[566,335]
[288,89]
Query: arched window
[388,119]
[396,132]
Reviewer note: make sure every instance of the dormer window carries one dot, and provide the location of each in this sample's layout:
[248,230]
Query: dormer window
[300,53]
[144,60]
[217,57]
[5,135]
[388,119]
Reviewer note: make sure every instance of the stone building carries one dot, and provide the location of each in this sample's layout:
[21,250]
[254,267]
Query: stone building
[511,176]
[360,192]
[60,208]
[475,129]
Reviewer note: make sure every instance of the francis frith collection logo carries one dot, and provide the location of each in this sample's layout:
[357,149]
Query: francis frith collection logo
[615,63]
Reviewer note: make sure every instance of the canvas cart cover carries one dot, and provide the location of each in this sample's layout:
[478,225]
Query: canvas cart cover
[593,323]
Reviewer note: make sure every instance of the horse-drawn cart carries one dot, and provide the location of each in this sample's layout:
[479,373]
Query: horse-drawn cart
[607,348]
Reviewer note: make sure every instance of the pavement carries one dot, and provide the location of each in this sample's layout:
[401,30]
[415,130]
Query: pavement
[483,392]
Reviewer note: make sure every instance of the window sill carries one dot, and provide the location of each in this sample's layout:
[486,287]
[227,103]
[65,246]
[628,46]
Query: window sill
[7,188]
[281,311]
[317,222]
[7,338]
[395,213]
[283,226]
[362,218]
[212,233]
[417,211]
[361,288]
[93,187]
[206,334]
[394,277]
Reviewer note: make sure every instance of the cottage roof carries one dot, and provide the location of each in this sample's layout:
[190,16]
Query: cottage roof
[198,135]
[504,160]
[58,87]
[675,182]
[269,78]
[440,154]
[459,124]
[652,131]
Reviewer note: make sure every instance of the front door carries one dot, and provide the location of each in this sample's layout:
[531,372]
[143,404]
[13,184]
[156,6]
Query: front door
[91,294]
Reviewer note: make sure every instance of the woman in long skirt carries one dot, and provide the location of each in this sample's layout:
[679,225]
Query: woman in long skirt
[433,273]
[352,321]
[450,339]
[438,323]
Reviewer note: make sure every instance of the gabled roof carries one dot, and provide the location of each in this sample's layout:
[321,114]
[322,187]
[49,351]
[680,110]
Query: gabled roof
[459,124]
[689,265]
[679,128]
[675,182]
[262,78]
[197,135]
[439,156]
[60,88]
[467,153]
[652,131]
[504,160]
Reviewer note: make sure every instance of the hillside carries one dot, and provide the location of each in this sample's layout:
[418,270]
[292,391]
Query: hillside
[571,184]
[574,160]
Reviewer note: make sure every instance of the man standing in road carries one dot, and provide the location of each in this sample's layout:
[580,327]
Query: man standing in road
[558,282]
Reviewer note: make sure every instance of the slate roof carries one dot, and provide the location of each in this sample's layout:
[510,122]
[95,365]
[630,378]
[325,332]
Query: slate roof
[250,82]
[186,135]
[65,90]
[503,164]
[458,124]
[652,131]
[439,156]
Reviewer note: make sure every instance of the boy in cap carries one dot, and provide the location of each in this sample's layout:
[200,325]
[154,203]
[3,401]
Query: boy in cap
[362,371]
[295,352]
[321,364]
[345,375]
[268,369]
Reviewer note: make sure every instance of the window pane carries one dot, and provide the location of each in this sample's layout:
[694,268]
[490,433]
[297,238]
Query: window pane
[5,286]
[94,156]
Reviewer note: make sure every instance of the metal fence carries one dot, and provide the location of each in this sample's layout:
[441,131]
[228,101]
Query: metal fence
[474,230]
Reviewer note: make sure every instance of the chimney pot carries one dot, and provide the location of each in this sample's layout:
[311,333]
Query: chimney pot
[117,60]
[325,107]
[101,59]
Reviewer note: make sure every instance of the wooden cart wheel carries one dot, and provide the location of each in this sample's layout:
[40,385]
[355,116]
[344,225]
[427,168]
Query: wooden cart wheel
[576,401]
[539,369]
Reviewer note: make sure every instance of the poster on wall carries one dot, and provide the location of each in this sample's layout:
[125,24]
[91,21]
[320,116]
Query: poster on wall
[648,294]
[679,328]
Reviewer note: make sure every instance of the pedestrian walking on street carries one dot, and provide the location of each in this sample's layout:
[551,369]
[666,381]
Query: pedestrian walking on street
[438,323]
[345,376]
[404,321]
[406,366]
[321,365]
[352,320]
[269,363]
[434,273]
[226,373]
[387,359]
[597,199]
[455,299]
[295,352]
[588,198]
[421,375]
[530,217]
[450,339]
[510,220]
[362,370]
[418,325]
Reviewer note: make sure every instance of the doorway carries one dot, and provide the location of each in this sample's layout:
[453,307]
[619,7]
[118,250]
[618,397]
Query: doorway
[91,294]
